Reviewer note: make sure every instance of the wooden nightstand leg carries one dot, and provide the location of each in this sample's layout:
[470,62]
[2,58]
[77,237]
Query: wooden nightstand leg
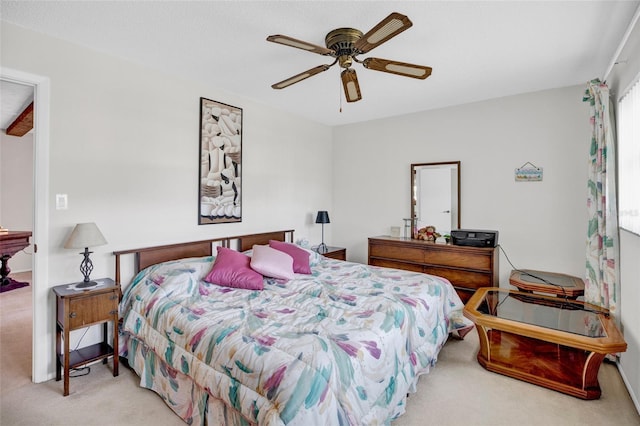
[105,339]
[58,352]
[66,362]
[116,358]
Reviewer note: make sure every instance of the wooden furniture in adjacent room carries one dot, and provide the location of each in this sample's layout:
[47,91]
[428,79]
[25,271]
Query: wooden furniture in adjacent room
[467,268]
[562,285]
[11,242]
[79,308]
[544,340]
[338,253]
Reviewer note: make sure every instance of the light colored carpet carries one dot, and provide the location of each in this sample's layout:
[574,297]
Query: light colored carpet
[458,391]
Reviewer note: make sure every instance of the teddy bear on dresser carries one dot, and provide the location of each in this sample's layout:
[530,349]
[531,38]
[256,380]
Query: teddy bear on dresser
[428,233]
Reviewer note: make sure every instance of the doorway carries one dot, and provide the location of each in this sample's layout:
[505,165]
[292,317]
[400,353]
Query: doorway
[41,345]
[16,214]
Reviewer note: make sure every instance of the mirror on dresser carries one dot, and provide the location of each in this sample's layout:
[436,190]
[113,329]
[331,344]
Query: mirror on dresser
[435,196]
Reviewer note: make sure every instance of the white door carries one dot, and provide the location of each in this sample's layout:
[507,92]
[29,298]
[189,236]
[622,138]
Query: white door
[435,208]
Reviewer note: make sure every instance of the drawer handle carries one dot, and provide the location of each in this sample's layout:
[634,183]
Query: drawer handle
[73,315]
[113,297]
[113,312]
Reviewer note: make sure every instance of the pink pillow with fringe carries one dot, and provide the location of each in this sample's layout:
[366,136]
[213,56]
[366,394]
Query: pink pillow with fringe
[300,256]
[233,269]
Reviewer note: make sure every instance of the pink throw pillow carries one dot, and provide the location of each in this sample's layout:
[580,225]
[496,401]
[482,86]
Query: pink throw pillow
[232,269]
[272,263]
[300,256]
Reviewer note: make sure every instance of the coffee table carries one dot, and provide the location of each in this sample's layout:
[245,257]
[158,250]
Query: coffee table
[548,341]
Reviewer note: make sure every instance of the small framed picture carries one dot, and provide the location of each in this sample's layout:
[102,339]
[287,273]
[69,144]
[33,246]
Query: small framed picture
[528,173]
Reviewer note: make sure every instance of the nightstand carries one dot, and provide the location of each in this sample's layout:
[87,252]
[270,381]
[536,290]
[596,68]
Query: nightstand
[338,253]
[80,308]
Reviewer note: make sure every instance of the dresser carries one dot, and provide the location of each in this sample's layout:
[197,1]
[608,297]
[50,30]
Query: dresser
[467,268]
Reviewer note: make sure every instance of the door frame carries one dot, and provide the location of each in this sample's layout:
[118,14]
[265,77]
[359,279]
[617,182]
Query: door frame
[41,336]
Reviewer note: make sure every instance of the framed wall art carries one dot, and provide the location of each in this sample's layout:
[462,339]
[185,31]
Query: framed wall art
[220,188]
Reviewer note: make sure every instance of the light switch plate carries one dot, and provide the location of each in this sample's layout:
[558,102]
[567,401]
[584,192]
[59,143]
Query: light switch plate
[61,202]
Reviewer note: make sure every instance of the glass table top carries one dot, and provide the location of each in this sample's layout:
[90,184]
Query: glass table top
[561,314]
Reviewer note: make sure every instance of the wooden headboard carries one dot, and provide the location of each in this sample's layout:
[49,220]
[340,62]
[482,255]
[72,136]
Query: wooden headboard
[147,256]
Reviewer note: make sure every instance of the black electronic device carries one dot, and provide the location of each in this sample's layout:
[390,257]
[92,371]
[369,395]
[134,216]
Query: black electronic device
[474,237]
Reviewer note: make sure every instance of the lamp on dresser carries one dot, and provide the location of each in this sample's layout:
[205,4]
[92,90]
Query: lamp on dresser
[85,235]
[322,217]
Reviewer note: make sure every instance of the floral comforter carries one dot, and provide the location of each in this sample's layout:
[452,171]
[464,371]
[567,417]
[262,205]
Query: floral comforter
[341,346]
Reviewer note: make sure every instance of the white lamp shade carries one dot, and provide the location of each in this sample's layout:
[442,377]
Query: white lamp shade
[85,235]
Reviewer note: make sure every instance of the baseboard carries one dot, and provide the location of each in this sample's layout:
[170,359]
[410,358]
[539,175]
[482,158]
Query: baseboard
[627,384]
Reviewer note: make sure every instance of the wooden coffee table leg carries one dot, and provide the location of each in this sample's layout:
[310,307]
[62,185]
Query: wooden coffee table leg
[590,375]
[484,353]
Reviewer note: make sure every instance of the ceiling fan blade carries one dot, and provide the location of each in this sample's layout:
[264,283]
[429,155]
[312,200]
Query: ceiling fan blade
[350,84]
[399,68]
[299,77]
[389,27]
[292,42]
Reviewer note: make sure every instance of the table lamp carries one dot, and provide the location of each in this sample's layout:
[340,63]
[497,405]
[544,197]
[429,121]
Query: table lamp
[322,217]
[85,235]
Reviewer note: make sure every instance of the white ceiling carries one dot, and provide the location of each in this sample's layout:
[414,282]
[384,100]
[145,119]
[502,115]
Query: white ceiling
[478,49]
[15,98]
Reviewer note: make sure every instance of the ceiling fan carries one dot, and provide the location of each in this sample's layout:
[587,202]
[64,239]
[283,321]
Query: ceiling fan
[345,44]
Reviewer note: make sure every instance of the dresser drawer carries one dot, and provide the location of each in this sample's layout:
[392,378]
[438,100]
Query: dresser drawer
[459,259]
[92,309]
[404,253]
[387,263]
[461,278]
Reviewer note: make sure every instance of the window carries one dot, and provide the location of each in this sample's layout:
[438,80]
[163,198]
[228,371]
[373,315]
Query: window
[629,159]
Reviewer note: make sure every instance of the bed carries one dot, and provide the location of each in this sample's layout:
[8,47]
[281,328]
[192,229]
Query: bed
[342,345]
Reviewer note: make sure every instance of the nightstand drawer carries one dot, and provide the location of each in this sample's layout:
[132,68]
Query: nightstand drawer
[338,253]
[92,309]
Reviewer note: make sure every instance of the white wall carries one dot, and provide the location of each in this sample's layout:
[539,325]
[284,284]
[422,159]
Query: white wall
[124,147]
[542,225]
[16,192]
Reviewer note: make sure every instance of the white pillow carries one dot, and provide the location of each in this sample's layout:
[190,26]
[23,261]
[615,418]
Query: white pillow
[272,263]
